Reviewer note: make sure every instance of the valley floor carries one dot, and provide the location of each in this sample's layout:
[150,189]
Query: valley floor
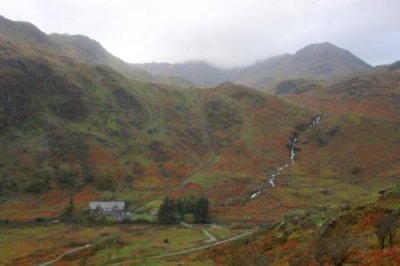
[65,244]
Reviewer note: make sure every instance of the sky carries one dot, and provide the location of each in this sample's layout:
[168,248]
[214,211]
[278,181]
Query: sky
[226,33]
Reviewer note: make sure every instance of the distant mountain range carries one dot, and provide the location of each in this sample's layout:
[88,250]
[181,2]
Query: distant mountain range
[316,61]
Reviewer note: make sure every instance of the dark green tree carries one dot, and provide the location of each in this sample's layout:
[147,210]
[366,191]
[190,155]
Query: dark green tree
[180,208]
[67,179]
[39,183]
[71,205]
[68,212]
[167,212]
[201,210]
[189,203]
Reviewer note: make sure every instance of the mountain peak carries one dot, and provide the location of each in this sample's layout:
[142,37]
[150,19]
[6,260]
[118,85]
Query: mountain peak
[325,48]
[322,44]
[328,60]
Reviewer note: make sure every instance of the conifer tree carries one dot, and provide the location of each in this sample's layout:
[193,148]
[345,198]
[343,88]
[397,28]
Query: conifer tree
[201,210]
[166,212]
[180,208]
[69,210]
[71,205]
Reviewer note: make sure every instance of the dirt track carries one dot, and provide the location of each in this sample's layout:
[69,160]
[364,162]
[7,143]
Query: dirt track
[184,251]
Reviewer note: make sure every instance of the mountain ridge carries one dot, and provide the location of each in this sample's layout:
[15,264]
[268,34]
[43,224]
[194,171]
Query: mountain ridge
[314,61]
[79,48]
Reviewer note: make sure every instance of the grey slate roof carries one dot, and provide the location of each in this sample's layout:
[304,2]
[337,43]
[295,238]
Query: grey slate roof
[107,205]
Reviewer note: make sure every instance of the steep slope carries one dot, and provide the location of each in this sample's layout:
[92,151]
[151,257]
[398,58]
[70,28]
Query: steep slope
[86,50]
[76,47]
[23,33]
[83,49]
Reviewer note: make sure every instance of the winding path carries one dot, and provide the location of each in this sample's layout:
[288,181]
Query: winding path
[65,254]
[211,238]
[185,251]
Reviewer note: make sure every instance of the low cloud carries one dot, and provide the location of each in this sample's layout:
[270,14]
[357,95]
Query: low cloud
[223,32]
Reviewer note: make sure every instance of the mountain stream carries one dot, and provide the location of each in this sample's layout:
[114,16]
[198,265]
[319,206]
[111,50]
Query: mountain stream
[292,146]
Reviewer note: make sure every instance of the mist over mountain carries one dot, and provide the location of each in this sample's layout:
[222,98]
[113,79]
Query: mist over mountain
[200,73]
[315,61]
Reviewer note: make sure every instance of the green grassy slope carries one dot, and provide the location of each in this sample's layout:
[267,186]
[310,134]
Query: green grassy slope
[68,126]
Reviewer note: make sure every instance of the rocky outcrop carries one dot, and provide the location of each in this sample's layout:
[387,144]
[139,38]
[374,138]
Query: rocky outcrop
[24,83]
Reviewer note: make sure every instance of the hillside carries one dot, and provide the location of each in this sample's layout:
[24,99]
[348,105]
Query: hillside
[374,94]
[68,125]
[321,61]
[324,235]
[75,47]
[72,125]
[308,170]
